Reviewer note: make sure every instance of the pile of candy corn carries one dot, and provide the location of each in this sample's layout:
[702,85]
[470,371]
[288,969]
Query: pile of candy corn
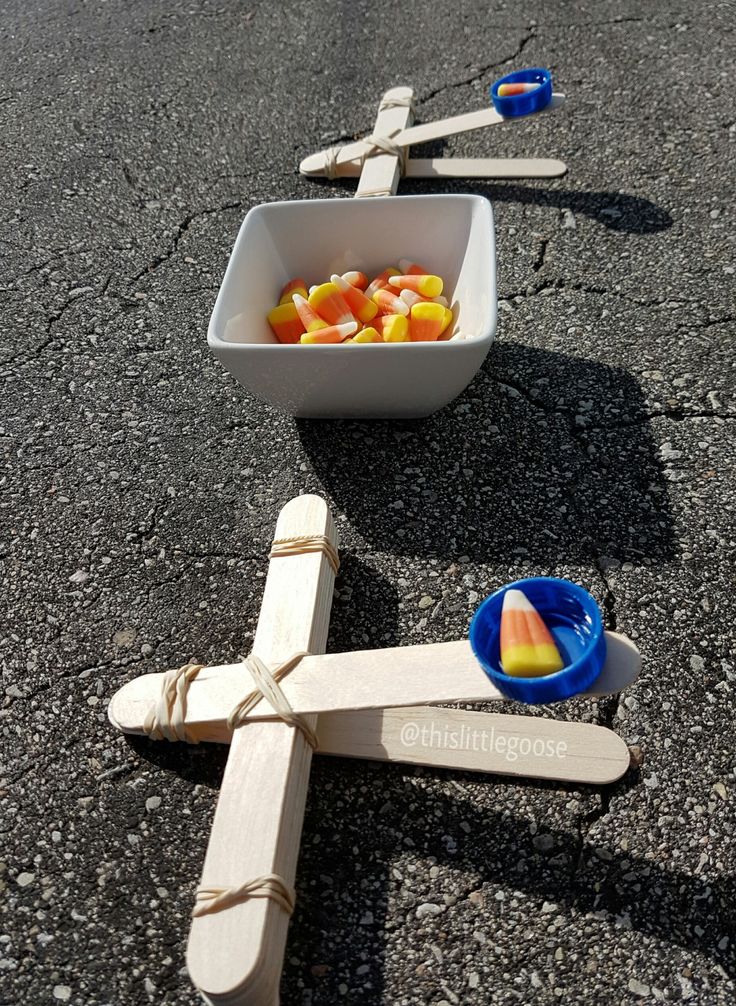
[399,305]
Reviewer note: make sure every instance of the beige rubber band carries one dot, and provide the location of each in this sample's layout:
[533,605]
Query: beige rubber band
[267,687]
[217,899]
[302,544]
[166,720]
[378,145]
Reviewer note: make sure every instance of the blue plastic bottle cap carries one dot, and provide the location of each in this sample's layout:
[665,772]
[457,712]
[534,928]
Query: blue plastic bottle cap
[514,105]
[573,618]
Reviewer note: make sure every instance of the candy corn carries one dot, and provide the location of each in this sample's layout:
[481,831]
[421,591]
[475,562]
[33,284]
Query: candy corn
[380,281]
[309,317]
[363,308]
[389,303]
[393,327]
[293,286]
[427,286]
[398,305]
[368,334]
[356,278]
[527,647]
[330,304]
[333,333]
[411,298]
[427,322]
[286,323]
[507,90]
[409,268]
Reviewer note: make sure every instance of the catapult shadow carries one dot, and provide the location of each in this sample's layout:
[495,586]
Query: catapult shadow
[617,211]
[545,456]
[342,907]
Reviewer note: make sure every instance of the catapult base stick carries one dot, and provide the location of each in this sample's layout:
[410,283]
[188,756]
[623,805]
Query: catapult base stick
[529,746]
[315,164]
[235,955]
[470,167]
[361,679]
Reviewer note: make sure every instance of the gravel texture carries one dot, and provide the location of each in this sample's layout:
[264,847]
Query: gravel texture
[141,486]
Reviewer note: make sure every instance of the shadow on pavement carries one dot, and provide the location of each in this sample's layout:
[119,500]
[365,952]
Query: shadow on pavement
[618,211]
[342,908]
[544,456]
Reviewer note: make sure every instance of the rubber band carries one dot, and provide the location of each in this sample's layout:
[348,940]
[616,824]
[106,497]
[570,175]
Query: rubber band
[270,885]
[166,720]
[302,544]
[267,687]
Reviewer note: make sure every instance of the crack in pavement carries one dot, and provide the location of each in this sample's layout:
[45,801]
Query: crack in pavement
[181,230]
[476,75]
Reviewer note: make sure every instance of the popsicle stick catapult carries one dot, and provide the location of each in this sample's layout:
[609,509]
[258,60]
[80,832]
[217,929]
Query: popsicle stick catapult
[365,704]
[393,135]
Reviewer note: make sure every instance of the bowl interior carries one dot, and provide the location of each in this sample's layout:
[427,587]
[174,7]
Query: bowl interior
[451,236]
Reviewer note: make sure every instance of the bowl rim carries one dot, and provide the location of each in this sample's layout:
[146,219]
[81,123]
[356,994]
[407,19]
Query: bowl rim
[216,342]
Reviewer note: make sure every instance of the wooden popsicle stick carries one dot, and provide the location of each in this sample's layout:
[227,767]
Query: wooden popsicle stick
[530,746]
[381,173]
[315,163]
[235,955]
[362,679]
[470,167]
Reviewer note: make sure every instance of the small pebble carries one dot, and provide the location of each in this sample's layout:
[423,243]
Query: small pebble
[427,910]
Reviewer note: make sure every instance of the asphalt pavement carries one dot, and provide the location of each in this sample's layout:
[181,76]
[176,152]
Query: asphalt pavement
[141,485]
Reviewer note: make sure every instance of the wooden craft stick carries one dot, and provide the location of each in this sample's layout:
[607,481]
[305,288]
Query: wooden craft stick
[470,167]
[381,173]
[315,163]
[530,746]
[362,679]
[235,955]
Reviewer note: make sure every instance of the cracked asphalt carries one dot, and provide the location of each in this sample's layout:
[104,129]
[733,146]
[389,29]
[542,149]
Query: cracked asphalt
[141,485]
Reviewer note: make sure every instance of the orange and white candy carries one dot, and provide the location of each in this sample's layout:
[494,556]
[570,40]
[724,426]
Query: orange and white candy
[381,281]
[297,285]
[333,333]
[356,278]
[330,305]
[426,285]
[285,322]
[363,308]
[427,321]
[389,303]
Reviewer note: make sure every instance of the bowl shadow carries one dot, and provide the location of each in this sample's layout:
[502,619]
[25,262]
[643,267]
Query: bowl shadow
[545,456]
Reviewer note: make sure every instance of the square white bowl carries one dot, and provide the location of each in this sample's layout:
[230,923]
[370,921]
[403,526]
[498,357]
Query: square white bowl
[451,235]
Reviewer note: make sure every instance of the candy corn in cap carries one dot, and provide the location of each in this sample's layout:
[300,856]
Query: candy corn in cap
[511,101]
[539,640]
[527,648]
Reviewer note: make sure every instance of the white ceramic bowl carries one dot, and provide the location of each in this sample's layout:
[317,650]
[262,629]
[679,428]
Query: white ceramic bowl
[450,235]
